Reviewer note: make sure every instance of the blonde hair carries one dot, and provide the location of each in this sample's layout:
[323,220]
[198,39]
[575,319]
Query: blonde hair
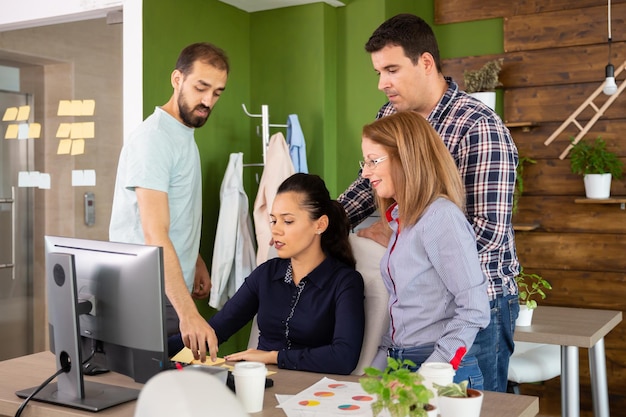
[422,168]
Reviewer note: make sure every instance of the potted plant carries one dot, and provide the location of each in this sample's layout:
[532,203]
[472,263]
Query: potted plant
[519,181]
[530,286]
[597,165]
[458,400]
[482,83]
[399,391]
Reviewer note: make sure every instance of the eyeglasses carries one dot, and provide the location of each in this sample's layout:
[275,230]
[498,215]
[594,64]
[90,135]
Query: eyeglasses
[372,163]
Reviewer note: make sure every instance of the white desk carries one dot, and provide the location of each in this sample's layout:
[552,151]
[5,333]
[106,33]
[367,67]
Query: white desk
[31,370]
[573,328]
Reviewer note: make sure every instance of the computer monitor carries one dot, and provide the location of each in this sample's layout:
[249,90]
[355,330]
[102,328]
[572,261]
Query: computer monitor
[107,295]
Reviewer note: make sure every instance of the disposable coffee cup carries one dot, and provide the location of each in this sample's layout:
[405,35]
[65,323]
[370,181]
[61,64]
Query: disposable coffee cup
[440,373]
[250,384]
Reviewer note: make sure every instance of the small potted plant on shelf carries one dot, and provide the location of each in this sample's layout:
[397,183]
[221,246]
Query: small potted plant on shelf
[482,83]
[519,180]
[597,165]
[530,287]
[458,400]
[399,392]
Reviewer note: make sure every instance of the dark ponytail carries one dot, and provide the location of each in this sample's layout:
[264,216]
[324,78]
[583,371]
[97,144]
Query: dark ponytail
[316,200]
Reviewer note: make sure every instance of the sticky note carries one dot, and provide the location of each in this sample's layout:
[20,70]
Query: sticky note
[64,146]
[64,130]
[78,147]
[77,131]
[76,107]
[22,179]
[65,108]
[89,177]
[44,181]
[28,179]
[89,107]
[12,131]
[186,356]
[77,177]
[34,130]
[10,114]
[22,131]
[23,113]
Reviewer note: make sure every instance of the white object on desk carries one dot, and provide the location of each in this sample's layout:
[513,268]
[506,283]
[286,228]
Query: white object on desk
[250,384]
[187,394]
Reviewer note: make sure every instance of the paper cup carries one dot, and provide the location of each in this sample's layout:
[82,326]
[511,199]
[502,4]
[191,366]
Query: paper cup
[438,372]
[250,384]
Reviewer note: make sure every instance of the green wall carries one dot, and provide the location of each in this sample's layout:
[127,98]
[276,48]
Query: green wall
[308,60]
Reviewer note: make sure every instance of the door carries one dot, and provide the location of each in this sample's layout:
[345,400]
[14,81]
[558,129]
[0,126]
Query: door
[16,236]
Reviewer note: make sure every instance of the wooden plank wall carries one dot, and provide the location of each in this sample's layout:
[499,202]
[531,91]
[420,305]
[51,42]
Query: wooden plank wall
[555,54]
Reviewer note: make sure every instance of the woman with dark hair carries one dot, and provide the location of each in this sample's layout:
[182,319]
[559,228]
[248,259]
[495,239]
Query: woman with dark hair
[308,300]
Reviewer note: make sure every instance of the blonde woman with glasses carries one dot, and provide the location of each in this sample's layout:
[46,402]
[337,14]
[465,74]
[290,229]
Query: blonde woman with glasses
[437,291]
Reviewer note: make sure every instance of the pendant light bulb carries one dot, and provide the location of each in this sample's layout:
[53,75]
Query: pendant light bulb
[610,87]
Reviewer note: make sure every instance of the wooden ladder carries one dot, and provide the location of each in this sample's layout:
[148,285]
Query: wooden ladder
[588,103]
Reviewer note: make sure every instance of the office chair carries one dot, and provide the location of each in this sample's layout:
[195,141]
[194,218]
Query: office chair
[187,393]
[533,362]
[368,254]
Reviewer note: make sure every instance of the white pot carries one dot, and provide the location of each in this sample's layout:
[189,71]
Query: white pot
[525,316]
[487,97]
[465,407]
[597,185]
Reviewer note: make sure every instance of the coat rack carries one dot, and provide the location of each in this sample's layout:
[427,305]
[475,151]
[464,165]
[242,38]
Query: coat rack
[265,128]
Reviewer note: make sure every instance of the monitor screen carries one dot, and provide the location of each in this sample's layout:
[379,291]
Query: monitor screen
[108,298]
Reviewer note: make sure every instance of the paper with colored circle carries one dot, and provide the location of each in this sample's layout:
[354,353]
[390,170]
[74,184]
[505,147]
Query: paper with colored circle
[329,397]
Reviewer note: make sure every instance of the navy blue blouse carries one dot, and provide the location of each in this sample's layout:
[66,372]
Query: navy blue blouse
[316,326]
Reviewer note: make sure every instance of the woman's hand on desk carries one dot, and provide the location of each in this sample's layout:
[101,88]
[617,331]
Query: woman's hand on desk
[254,355]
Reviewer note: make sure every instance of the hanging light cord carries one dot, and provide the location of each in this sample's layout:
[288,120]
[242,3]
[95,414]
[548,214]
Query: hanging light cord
[609,28]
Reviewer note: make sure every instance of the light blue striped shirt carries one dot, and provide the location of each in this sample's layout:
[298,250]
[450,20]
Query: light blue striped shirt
[438,293]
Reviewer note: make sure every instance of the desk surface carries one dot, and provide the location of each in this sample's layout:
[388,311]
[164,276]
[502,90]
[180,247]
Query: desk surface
[31,370]
[568,326]
[495,404]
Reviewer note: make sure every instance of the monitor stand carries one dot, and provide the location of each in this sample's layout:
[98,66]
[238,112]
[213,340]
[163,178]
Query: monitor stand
[97,396]
[71,390]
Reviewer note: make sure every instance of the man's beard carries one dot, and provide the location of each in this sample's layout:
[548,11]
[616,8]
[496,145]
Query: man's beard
[186,114]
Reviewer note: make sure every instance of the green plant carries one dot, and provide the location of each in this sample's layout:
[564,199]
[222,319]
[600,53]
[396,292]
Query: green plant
[397,389]
[483,79]
[452,390]
[594,158]
[530,286]
[519,180]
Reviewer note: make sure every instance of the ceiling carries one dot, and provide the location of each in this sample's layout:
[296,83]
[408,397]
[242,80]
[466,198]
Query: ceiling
[258,5]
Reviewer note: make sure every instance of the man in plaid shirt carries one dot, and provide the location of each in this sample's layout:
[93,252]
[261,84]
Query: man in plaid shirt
[405,55]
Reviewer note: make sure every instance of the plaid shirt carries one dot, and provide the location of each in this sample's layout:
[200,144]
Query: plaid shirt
[486,156]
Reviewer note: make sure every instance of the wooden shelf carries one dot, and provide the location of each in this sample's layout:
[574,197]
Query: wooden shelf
[621,200]
[525,126]
[525,227]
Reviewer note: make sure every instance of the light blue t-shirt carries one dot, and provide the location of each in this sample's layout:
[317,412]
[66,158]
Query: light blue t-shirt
[161,154]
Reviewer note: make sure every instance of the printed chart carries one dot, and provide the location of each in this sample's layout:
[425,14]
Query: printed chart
[330,397]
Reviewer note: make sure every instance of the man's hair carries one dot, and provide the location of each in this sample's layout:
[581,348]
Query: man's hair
[408,31]
[204,52]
